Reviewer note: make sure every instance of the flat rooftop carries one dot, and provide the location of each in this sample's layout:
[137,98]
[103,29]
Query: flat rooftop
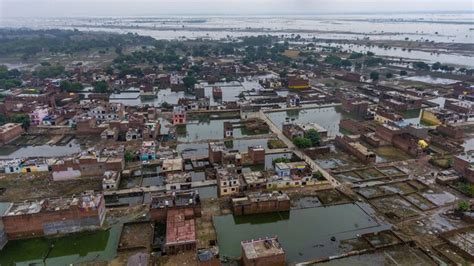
[261,248]
[179,230]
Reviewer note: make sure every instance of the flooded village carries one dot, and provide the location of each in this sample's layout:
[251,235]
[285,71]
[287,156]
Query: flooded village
[123,149]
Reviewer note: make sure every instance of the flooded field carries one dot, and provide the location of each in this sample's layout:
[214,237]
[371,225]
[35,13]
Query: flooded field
[389,154]
[304,233]
[230,92]
[431,80]
[190,150]
[14,152]
[328,118]
[78,248]
[210,129]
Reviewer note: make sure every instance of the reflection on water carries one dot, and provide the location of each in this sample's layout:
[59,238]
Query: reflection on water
[328,118]
[43,151]
[77,248]
[303,233]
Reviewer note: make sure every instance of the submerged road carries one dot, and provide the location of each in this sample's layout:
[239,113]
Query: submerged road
[151,189]
[298,152]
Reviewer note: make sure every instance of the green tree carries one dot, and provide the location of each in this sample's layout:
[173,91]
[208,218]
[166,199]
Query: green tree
[302,142]
[189,81]
[374,75]
[463,206]
[313,136]
[403,73]
[165,105]
[436,66]
[129,156]
[76,87]
[65,85]
[23,119]
[101,87]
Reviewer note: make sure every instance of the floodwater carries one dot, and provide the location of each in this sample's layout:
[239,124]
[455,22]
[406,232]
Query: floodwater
[439,27]
[77,248]
[199,150]
[327,117]
[304,233]
[208,192]
[431,80]
[445,58]
[206,130]
[230,92]
[45,151]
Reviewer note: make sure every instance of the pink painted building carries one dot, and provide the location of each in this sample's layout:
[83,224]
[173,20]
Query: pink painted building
[38,114]
[179,115]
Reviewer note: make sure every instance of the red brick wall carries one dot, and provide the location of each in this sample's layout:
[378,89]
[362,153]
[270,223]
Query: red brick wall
[31,225]
[11,133]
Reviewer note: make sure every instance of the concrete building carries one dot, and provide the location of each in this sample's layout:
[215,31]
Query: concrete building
[54,216]
[87,164]
[162,202]
[292,131]
[400,101]
[228,181]
[38,114]
[219,154]
[262,252]
[10,132]
[355,148]
[179,115]
[148,150]
[294,174]
[178,181]
[254,180]
[105,111]
[259,202]
[111,180]
[464,165]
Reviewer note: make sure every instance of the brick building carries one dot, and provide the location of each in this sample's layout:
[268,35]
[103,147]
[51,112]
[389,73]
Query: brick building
[10,132]
[256,154]
[161,203]
[54,216]
[355,148]
[262,252]
[258,202]
[180,231]
[463,164]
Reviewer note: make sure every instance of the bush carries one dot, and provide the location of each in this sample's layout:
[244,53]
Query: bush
[313,136]
[101,87]
[129,156]
[281,160]
[463,206]
[403,73]
[374,75]
[302,142]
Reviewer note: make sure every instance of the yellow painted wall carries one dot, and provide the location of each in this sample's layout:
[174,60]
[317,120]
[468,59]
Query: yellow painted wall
[430,118]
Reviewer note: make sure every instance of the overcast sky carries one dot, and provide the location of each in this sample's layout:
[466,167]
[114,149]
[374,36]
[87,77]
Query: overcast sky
[61,8]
